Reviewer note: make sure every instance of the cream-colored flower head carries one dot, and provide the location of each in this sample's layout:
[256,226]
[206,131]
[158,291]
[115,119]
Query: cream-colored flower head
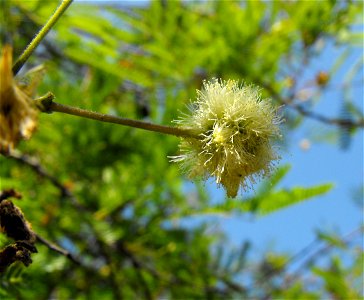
[234,127]
[17,114]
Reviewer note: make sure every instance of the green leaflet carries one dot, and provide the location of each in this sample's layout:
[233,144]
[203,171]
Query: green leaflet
[284,198]
[267,199]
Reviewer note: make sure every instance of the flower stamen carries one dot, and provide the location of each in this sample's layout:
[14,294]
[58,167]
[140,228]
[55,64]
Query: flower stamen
[235,127]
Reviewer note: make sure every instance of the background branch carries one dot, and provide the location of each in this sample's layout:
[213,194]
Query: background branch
[34,164]
[343,122]
[59,250]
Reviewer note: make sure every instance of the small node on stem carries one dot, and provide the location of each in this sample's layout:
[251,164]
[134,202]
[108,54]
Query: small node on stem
[44,103]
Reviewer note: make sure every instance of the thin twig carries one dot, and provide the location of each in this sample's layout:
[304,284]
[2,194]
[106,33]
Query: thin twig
[36,166]
[58,249]
[343,122]
[40,35]
[348,123]
[75,111]
[308,249]
[128,254]
[105,252]
[138,267]
[346,239]
[46,104]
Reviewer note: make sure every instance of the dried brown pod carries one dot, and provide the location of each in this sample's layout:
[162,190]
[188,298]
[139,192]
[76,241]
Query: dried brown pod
[13,223]
[18,115]
[19,251]
[15,226]
[9,193]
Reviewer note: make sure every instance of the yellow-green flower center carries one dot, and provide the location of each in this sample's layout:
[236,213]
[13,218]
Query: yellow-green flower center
[220,135]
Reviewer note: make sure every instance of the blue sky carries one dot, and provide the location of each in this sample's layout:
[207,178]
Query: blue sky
[294,228]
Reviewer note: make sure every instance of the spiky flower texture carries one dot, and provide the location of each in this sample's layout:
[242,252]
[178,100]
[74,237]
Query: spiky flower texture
[234,127]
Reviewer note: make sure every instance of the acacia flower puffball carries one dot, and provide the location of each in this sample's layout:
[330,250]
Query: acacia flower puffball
[18,117]
[233,128]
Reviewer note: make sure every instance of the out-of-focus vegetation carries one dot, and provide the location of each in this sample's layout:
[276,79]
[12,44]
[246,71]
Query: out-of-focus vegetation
[108,196]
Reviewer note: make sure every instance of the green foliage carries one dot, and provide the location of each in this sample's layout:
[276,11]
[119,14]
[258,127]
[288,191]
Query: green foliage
[267,199]
[108,194]
[12,281]
[283,198]
[337,278]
